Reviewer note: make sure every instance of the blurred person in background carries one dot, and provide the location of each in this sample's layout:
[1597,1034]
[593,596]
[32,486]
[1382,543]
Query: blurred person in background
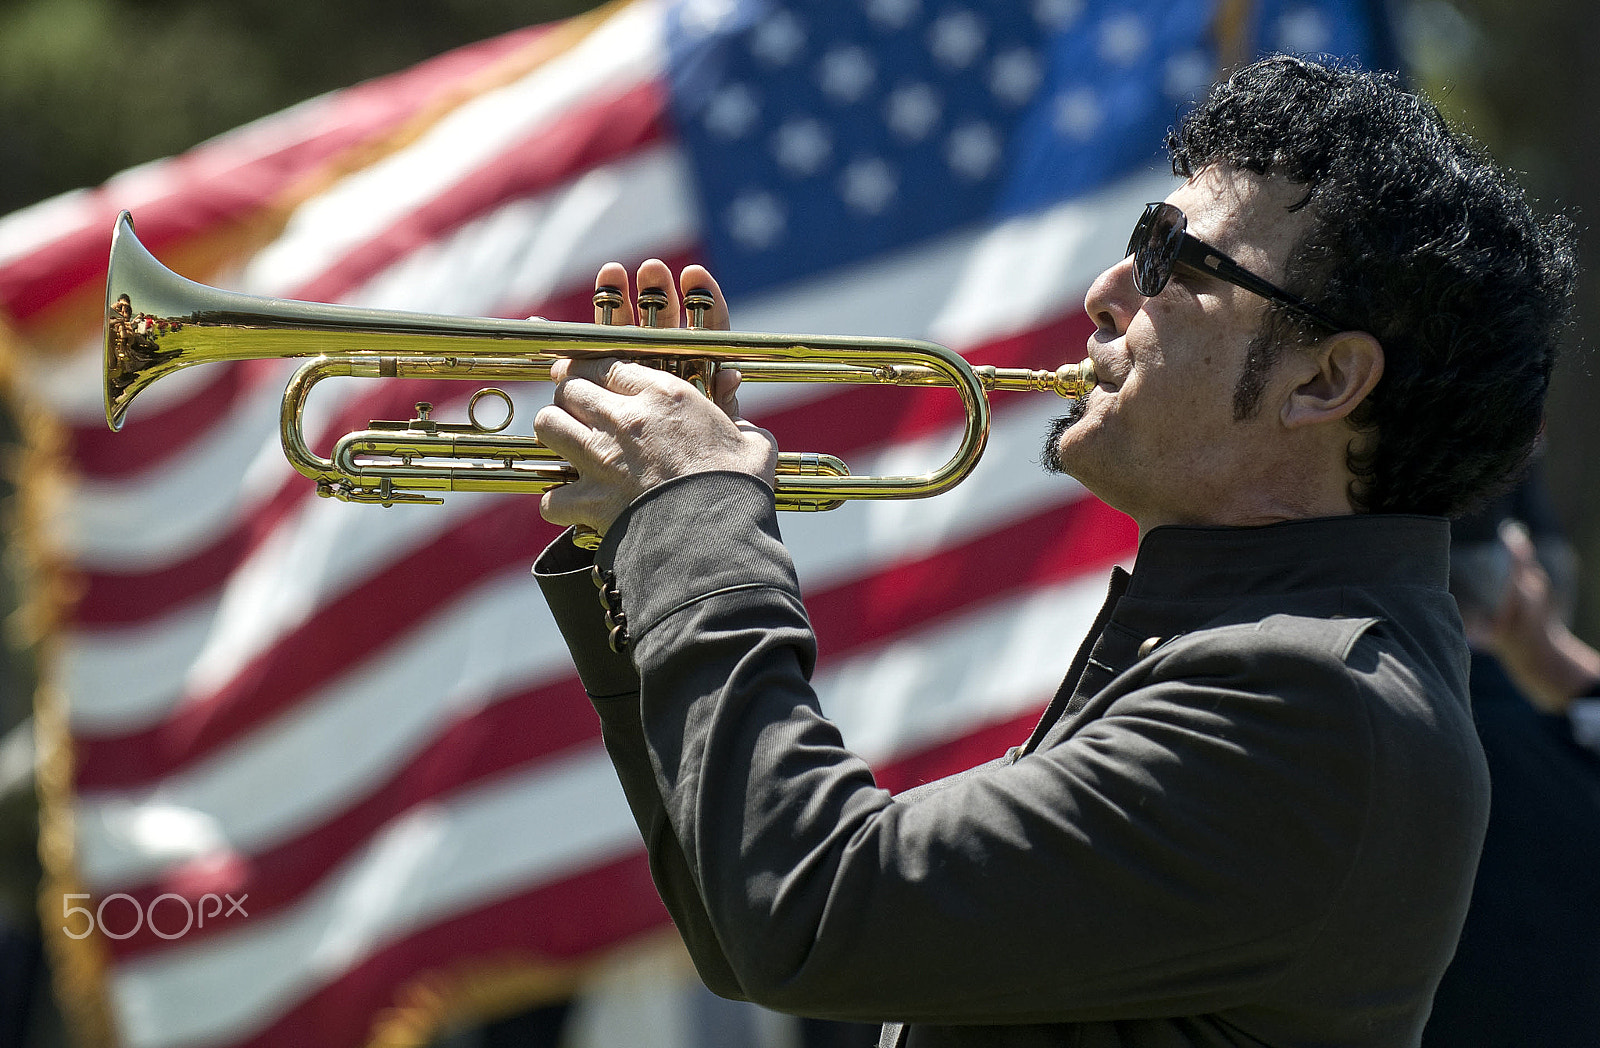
[1527,970]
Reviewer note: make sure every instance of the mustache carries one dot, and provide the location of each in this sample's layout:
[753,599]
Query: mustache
[1050,456]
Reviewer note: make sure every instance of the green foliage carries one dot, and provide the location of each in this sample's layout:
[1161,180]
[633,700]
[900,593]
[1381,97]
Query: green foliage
[89,87]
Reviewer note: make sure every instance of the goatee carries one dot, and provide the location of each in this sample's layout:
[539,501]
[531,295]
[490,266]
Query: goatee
[1051,456]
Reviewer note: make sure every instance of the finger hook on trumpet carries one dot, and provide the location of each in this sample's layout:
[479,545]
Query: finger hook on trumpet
[505,400]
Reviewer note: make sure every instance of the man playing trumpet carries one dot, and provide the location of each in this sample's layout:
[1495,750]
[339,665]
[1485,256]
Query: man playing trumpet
[1252,812]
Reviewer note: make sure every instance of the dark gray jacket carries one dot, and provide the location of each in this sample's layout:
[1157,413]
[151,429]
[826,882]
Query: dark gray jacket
[1250,817]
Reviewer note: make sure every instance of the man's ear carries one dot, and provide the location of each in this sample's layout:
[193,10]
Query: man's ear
[1336,376]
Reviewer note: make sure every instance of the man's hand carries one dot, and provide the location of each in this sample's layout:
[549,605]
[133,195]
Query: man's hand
[626,427]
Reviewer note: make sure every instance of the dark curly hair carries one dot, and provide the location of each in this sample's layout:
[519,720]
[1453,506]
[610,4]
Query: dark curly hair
[1418,238]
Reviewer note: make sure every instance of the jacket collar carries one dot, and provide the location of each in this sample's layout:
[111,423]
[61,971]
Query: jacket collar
[1180,563]
[1185,575]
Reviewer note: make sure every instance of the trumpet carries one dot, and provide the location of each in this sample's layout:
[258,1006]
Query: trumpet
[158,322]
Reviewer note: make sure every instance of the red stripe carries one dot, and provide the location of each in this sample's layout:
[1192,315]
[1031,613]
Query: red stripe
[509,734]
[978,745]
[340,633]
[413,589]
[858,417]
[155,438]
[587,136]
[239,174]
[112,600]
[557,924]
[1054,544]
[562,926]
[119,599]
[843,423]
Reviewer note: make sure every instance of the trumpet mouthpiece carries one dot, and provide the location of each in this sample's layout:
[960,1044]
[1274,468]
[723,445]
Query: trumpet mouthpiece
[1075,380]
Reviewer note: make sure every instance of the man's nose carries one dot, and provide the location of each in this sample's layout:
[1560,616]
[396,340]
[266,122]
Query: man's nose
[1112,299]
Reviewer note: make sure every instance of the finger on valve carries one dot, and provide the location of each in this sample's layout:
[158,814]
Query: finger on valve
[658,296]
[698,302]
[611,304]
[701,293]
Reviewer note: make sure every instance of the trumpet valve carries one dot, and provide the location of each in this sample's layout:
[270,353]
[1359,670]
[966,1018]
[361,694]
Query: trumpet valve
[607,299]
[697,302]
[652,300]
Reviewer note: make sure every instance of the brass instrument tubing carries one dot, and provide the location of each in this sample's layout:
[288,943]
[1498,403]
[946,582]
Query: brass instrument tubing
[158,322]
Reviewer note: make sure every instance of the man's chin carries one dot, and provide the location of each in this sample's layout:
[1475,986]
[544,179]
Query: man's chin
[1050,456]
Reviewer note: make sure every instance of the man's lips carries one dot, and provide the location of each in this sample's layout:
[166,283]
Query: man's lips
[1105,379]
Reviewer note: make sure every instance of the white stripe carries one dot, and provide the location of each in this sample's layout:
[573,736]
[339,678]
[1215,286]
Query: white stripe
[37,226]
[1023,270]
[343,742]
[71,385]
[532,250]
[990,663]
[1008,483]
[131,524]
[121,679]
[621,52]
[440,860]
[327,550]
[296,571]
[127,524]
[324,550]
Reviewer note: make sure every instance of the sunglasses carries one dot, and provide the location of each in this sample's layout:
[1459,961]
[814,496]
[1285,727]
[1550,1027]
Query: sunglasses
[1161,242]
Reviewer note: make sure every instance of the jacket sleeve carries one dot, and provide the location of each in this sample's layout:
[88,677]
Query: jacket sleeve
[1152,865]
[566,576]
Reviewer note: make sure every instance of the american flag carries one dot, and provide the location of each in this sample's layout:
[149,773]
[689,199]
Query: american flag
[361,722]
